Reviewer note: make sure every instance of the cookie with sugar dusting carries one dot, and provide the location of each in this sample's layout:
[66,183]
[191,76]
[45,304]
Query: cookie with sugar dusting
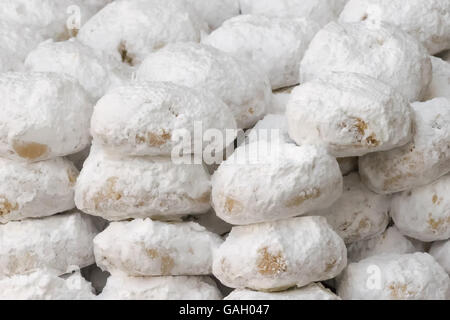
[274,256]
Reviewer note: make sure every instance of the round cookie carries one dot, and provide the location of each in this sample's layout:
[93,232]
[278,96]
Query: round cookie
[274,256]
[43,116]
[39,189]
[244,88]
[350,114]
[359,213]
[57,242]
[146,118]
[131,29]
[275,45]
[379,50]
[264,181]
[152,248]
[426,20]
[45,285]
[314,291]
[122,287]
[120,188]
[440,250]
[440,83]
[215,12]
[96,73]
[425,159]
[391,241]
[423,213]
[318,10]
[414,276]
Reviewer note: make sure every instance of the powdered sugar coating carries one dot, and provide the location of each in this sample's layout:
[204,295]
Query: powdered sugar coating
[424,212]
[131,29]
[379,50]
[359,213]
[215,12]
[45,285]
[153,248]
[278,255]
[238,83]
[36,189]
[389,242]
[121,287]
[57,242]
[321,11]
[119,188]
[415,276]
[275,45]
[272,128]
[440,250]
[426,20]
[440,84]
[265,181]
[350,114]
[43,115]
[143,118]
[96,73]
[314,291]
[418,163]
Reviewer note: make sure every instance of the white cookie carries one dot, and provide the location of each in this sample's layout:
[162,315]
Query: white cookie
[350,114]
[265,181]
[314,291]
[43,116]
[418,163]
[379,50]
[57,242]
[426,20]
[121,287]
[131,29]
[39,189]
[415,276]
[244,88]
[275,45]
[144,118]
[424,212]
[119,188]
[152,248]
[278,255]
[45,285]
[359,213]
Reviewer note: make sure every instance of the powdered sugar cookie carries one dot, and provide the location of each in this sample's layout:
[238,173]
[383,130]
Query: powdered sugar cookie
[36,189]
[238,83]
[414,276]
[426,20]
[424,212]
[45,285]
[318,10]
[314,291]
[57,242]
[362,48]
[418,163]
[119,188]
[275,45]
[351,114]
[121,287]
[152,248]
[144,118]
[359,213]
[265,181]
[277,255]
[43,115]
[131,29]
